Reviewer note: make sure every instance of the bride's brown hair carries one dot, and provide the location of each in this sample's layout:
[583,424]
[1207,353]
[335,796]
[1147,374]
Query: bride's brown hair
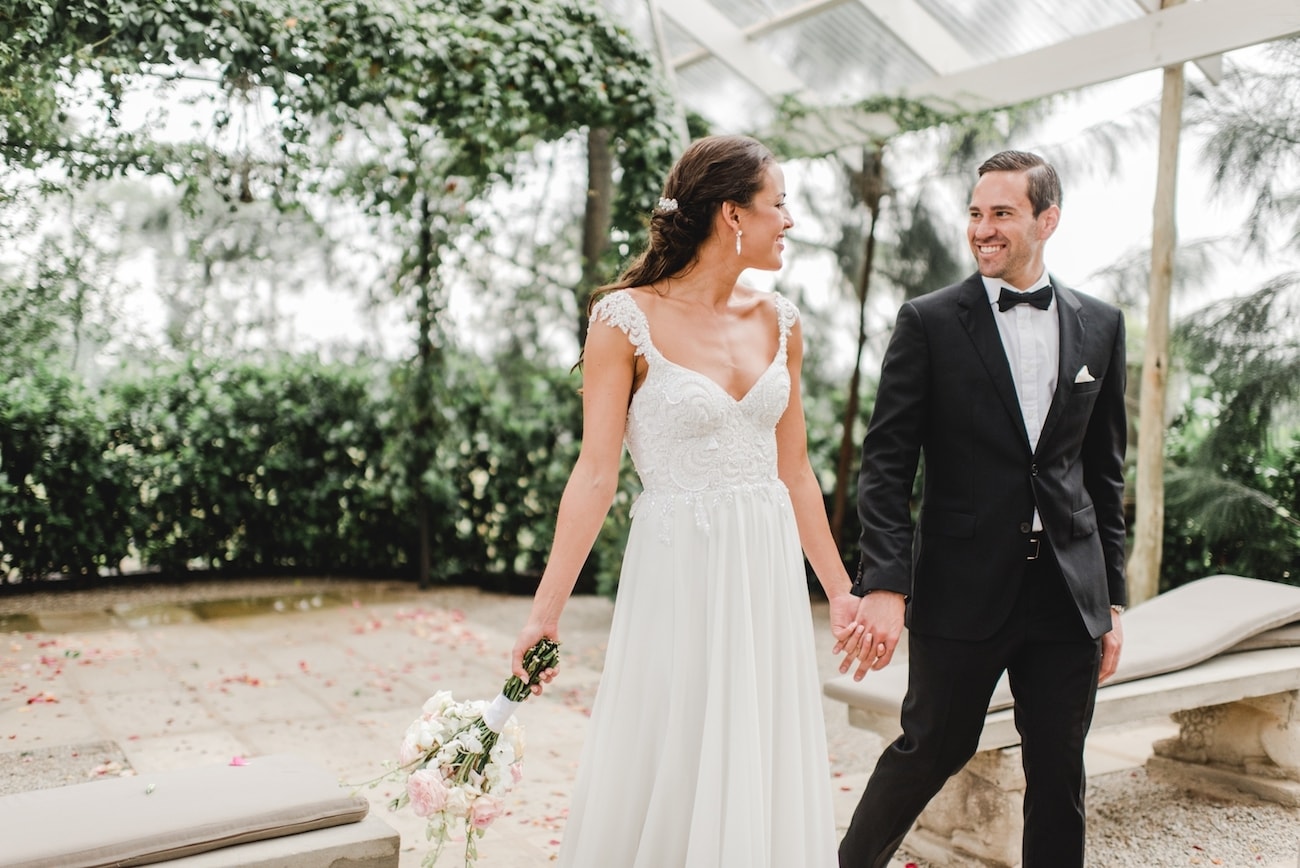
[712,170]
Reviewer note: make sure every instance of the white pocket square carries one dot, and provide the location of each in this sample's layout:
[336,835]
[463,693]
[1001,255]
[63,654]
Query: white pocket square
[1084,376]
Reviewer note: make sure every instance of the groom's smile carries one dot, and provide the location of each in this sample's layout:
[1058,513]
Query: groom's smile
[1005,235]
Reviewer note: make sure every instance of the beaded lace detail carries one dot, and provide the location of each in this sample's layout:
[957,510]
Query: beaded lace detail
[688,437]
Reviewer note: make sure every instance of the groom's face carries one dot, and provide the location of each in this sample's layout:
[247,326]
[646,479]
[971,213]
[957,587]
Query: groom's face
[1005,236]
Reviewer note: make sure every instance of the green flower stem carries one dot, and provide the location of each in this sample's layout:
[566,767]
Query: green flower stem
[537,659]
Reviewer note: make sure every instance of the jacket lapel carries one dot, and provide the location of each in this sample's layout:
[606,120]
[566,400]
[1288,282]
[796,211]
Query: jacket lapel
[1070,316]
[976,315]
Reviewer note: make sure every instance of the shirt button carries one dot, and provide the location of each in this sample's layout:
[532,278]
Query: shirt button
[1024,527]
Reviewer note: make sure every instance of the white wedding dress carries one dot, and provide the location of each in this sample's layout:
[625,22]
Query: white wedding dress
[707,746]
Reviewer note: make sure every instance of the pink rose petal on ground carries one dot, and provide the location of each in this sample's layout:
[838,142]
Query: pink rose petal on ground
[238,761]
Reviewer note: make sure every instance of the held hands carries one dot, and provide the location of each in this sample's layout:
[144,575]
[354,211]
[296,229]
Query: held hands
[529,636]
[845,628]
[876,629]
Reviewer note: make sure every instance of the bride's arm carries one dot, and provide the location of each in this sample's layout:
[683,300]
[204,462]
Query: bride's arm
[607,371]
[819,547]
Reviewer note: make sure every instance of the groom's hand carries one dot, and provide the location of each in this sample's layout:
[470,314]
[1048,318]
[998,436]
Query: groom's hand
[881,615]
[1111,645]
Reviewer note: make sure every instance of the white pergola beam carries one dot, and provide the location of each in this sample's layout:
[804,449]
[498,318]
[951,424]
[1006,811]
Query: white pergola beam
[729,44]
[1169,36]
[1211,67]
[783,19]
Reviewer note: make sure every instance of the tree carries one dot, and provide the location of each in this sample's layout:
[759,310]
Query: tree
[1229,475]
[1251,124]
[445,94]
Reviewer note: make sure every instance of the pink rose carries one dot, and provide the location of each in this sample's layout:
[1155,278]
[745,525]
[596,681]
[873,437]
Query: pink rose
[484,810]
[427,792]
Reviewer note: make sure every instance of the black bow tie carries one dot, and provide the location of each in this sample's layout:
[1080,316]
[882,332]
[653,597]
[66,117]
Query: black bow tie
[1039,298]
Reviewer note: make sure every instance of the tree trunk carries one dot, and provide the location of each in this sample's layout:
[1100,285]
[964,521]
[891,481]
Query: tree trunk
[596,220]
[872,183]
[1148,533]
[422,393]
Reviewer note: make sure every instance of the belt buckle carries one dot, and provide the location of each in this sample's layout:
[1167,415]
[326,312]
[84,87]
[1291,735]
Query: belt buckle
[1037,542]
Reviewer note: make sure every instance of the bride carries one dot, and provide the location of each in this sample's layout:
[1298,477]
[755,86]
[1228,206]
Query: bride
[706,746]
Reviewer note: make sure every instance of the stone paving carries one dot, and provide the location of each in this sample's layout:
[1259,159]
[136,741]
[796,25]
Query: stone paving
[100,684]
[332,672]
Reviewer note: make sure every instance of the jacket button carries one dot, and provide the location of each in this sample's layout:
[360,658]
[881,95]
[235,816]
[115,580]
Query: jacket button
[1033,470]
[1024,527]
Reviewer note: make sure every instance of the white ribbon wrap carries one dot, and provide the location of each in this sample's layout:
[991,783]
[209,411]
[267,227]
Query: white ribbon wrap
[498,712]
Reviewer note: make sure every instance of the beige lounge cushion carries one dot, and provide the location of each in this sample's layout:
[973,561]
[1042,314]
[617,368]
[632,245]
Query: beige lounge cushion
[1202,619]
[155,817]
[1282,637]
[1176,630]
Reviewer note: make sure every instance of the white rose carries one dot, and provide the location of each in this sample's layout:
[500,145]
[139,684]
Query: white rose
[438,703]
[458,802]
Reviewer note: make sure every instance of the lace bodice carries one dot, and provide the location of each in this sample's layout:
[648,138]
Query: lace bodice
[686,434]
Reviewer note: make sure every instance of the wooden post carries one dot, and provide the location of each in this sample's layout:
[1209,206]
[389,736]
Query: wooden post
[1148,533]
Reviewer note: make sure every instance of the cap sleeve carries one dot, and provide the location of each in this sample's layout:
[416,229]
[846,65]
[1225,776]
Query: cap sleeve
[618,309]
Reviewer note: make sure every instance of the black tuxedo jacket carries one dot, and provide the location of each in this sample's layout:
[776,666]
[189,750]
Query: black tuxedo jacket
[946,395]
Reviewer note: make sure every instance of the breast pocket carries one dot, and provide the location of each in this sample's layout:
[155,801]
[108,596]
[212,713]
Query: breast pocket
[1086,388]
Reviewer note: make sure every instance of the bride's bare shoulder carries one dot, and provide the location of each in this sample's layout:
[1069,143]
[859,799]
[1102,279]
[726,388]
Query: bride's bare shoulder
[750,301]
[644,296]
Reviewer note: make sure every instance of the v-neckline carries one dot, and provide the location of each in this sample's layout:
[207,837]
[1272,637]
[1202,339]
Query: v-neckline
[721,388]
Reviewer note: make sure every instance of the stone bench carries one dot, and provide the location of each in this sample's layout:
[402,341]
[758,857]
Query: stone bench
[1221,656]
[274,812]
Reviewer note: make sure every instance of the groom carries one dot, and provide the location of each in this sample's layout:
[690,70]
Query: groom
[1011,386]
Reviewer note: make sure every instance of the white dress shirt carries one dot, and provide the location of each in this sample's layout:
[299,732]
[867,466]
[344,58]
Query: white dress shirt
[1032,341]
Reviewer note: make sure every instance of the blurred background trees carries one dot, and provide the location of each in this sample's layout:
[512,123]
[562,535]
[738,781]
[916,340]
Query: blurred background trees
[442,184]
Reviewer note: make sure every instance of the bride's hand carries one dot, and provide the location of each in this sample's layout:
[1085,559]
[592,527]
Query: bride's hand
[529,636]
[845,628]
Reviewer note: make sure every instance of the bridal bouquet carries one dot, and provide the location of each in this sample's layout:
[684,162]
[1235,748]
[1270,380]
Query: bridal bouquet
[456,762]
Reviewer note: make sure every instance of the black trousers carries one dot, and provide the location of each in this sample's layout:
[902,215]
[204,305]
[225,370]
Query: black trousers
[1052,664]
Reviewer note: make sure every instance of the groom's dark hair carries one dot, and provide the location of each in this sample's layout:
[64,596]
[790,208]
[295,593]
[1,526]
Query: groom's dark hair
[1044,185]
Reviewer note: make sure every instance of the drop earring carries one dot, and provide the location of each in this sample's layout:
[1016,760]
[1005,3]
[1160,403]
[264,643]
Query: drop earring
[738,234]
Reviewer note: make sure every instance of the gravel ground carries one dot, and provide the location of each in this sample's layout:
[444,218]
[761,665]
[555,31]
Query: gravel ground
[1134,820]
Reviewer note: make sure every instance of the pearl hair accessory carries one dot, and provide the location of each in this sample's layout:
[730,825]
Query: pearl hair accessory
[665,205]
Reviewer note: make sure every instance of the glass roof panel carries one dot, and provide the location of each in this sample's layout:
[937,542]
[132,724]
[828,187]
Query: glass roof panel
[844,54]
[745,13]
[991,29]
[735,60]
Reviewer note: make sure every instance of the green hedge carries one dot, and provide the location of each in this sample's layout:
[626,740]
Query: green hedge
[256,468]
[294,466]
[64,496]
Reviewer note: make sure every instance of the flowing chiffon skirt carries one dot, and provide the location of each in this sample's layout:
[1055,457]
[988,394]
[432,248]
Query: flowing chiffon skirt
[707,745]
